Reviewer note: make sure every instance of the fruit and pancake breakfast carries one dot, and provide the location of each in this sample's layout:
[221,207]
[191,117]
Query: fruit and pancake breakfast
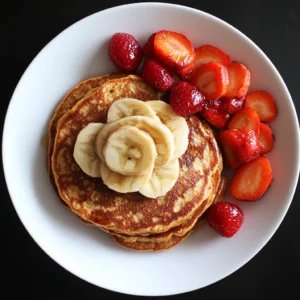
[141,154]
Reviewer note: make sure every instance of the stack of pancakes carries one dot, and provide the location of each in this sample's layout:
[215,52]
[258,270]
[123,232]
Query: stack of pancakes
[132,220]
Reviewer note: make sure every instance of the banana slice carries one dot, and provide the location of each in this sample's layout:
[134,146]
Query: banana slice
[129,151]
[162,180]
[160,134]
[175,123]
[84,150]
[127,107]
[122,183]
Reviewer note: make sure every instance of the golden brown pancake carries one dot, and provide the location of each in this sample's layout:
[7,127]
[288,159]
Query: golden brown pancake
[132,213]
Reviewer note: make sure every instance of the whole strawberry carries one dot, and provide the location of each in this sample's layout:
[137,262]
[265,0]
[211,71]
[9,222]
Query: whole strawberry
[186,99]
[125,52]
[157,75]
[225,218]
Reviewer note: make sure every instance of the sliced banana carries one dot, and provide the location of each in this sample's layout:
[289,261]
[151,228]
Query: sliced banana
[128,107]
[129,151]
[84,150]
[175,123]
[162,180]
[160,134]
[122,183]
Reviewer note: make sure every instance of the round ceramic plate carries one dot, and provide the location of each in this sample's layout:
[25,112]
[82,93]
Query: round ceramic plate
[81,52]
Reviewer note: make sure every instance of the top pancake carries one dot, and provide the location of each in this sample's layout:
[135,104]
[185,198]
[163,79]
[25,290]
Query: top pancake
[132,213]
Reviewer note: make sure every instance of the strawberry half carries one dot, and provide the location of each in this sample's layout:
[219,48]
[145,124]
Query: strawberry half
[252,180]
[245,118]
[238,147]
[225,218]
[232,105]
[266,138]
[209,53]
[239,80]
[173,49]
[148,48]
[214,114]
[263,103]
[211,79]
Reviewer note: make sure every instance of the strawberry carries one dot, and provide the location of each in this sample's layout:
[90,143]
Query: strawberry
[238,147]
[245,118]
[209,53]
[148,48]
[264,104]
[239,80]
[225,218]
[186,99]
[252,180]
[186,72]
[157,75]
[125,52]
[214,114]
[173,49]
[232,105]
[266,138]
[211,79]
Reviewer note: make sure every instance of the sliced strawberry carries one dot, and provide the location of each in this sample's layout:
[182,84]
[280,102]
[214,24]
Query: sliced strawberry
[186,99]
[266,138]
[230,141]
[211,79]
[148,48]
[173,49]
[209,53]
[239,147]
[156,74]
[186,72]
[239,80]
[232,105]
[252,180]
[245,118]
[263,103]
[225,218]
[213,113]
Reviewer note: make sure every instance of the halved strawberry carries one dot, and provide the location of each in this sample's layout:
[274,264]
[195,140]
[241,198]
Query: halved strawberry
[186,71]
[148,48]
[214,114]
[252,180]
[238,147]
[263,103]
[211,79]
[232,105]
[266,138]
[246,118]
[230,141]
[239,80]
[209,53]
[173,49]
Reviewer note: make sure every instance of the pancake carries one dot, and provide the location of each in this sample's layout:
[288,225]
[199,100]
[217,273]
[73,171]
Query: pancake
[74,95]
[132,213]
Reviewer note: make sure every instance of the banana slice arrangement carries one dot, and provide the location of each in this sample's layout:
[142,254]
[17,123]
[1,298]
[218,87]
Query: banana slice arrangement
[137,150]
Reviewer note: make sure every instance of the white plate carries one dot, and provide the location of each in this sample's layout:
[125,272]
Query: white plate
[81,52]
